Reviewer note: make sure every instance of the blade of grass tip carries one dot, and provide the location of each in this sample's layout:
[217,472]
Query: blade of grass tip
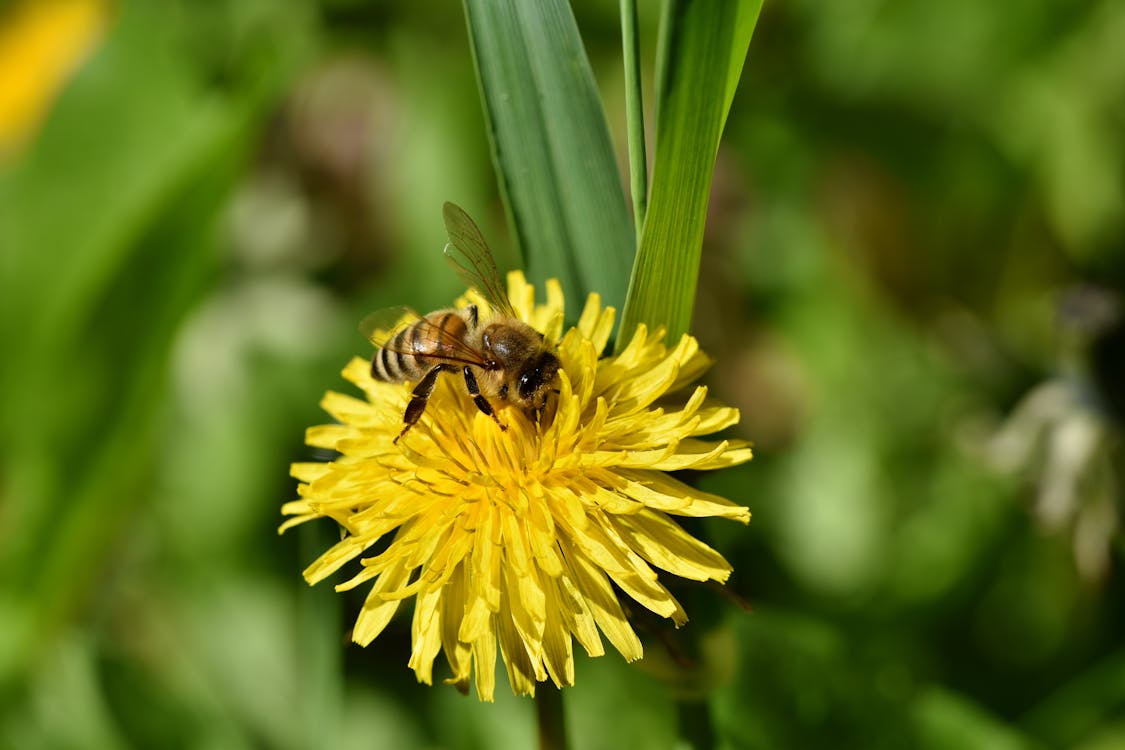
[551,147]
[634,113]
[703,48]
[746,18]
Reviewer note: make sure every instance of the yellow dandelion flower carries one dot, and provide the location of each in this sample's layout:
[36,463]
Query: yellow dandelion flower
[514,541]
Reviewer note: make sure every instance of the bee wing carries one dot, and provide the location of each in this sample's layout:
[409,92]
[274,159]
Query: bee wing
[470,257]
[382,326]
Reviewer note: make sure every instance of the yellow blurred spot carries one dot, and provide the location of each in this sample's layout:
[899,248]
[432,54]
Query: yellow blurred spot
[41,43]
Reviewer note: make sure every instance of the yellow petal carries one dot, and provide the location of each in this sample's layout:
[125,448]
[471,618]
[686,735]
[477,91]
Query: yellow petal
[603,604]
[577,616]
[661,492]
[523,670]
[628,570]
[457,650]
[377,611]
[328,435]
[426,635]
[484,661]
[349,410]
[715,418]
[558,650]
[664,544]
[309,472]
[596,323]
[521,294]
[294,521]
[331,561]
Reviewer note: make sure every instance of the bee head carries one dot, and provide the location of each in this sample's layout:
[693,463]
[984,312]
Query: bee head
[505,344]
[531,385]
[520,362]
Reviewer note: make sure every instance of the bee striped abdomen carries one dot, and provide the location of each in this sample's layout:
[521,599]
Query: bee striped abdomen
[411,352]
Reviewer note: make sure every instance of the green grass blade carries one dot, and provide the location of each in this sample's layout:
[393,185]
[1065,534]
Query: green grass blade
[551,146]
[634,113]
[703,47]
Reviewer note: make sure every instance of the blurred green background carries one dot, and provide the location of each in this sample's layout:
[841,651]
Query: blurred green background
[912,282]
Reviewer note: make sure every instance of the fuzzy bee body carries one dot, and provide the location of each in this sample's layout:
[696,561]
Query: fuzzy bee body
[501,359]
[413,350]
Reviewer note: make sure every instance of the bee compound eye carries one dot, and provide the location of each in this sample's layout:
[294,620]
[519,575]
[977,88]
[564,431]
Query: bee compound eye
[527,383]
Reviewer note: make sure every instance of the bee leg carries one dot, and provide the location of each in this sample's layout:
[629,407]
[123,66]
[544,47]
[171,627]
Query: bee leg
[541,412]
[421,395]
[478,399]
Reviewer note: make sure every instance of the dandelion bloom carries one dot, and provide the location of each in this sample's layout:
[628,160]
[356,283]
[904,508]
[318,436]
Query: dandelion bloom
[515,539]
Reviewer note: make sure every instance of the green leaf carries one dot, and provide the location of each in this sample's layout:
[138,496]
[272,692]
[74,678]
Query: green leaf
[703,47]
[947,719]
[109,224]
[634,113]
[551,146]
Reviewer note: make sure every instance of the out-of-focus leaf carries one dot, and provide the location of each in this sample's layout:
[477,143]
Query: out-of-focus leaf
[462,725]
[1077,708]
[947,721]
[108,227]
[65,705]
[801,682]
[703,47]
[615,704]
[551,146]
[320,658]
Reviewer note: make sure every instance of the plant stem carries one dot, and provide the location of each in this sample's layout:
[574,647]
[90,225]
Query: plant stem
[321,658]
[549,713]
[634,113]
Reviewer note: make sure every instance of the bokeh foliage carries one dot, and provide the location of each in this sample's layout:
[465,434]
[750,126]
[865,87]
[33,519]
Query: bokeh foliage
[913,262]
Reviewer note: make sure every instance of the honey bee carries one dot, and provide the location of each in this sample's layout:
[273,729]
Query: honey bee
[503,361]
